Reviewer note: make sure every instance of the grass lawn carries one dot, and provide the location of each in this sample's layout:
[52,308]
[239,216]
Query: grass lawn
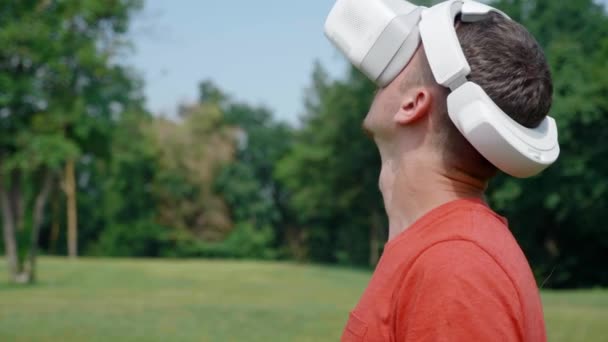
[201,300]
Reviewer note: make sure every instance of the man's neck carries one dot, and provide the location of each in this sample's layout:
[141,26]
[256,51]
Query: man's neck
[413,188]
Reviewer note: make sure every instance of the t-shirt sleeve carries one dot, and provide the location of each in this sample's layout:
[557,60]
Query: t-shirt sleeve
[455,291]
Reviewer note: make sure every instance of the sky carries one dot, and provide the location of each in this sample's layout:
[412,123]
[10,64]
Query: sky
[261,52]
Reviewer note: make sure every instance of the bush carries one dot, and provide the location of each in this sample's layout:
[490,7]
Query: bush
[140,239]
[245,241]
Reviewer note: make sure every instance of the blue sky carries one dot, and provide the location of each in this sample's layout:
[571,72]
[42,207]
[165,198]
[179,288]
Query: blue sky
[260,51]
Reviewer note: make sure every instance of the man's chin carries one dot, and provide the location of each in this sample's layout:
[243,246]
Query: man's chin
[366,129]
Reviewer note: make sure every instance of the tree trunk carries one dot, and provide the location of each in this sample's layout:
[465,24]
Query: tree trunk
[374,239]
[38,220]
[10,240]
[16,199]
[54,237]
[70,192]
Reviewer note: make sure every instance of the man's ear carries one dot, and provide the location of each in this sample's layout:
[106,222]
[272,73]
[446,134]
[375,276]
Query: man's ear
[416,104]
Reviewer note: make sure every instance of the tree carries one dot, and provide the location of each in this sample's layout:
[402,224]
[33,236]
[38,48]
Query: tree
[248,184]
[331,173]
[60,87]
[117,200]
[191,151]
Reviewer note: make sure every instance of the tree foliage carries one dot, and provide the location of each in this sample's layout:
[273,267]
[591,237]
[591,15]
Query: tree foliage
[332,172]
[60,93]
[191,151]
[225,179]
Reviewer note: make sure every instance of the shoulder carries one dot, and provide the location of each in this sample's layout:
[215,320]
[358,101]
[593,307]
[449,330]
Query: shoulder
[455,254]
[456,287]
[460,263]
[459,276]
[476,235]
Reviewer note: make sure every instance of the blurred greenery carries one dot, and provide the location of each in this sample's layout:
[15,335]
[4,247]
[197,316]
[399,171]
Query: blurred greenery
[159,300]
[225,179]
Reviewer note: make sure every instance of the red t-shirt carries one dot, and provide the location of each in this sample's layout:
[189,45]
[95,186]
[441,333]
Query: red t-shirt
[457,274]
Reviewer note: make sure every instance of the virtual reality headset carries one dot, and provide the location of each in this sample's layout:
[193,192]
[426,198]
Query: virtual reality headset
[379,37]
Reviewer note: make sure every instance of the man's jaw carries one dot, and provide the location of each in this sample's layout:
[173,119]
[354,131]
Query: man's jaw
[368,132]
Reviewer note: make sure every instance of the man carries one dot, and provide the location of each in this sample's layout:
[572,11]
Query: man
[451,270]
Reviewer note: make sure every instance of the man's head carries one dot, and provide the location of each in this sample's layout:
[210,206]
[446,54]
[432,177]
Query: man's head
[409,120]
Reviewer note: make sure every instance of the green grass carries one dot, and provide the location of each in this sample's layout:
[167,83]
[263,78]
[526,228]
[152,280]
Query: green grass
[162,300]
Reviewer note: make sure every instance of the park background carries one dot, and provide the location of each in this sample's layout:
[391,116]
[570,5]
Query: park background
[247,211]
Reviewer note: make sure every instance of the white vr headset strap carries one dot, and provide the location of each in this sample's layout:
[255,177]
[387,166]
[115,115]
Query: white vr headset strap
[440,40]
[514,149]
[449,73]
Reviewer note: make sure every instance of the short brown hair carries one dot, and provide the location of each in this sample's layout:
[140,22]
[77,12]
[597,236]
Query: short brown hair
[509,64]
